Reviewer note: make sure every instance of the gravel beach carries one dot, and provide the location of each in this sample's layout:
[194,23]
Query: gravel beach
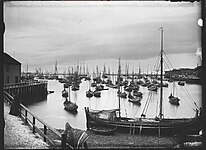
[19,136]
[119,140]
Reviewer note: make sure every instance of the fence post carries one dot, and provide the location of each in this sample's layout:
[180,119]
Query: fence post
[25,116]
[45,130]
[63,140]
[33,124]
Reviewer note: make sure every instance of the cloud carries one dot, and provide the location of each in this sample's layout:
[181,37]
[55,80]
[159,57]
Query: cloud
[68,34]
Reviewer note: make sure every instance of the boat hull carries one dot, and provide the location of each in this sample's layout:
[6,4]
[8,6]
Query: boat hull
[148,126]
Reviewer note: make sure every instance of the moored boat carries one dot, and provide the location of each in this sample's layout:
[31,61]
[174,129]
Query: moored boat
[70,106]
[181,83]
[89,93]
[136,100]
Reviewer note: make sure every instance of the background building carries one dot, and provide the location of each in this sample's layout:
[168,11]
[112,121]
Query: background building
[12,69]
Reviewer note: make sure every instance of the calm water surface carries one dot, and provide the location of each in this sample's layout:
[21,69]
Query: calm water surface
[51,110]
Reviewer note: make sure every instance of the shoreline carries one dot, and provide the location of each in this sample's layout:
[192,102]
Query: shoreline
[122,140]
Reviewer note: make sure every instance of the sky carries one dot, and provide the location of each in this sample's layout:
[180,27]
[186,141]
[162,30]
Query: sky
[39,33]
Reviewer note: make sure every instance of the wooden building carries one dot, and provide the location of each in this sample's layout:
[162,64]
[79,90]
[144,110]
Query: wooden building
[12,69]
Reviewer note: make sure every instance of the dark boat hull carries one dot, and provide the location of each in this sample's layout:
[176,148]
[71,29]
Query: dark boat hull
[70,106]
[148,126]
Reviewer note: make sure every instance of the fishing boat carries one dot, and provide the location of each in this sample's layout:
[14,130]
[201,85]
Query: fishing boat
[152,88]
[65,93]
[174,100]
[143,125]
[137,93]
[69,105]
[136,100]
[181,83]
[89,93]
[97,94]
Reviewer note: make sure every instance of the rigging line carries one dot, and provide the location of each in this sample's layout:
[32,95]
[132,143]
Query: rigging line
[188,94]
[190,98]
[157,61]
[166,65]
[145,104]
[168,60]
[157,66]
[125,109]
[186,100]
[157,108]
[148,103]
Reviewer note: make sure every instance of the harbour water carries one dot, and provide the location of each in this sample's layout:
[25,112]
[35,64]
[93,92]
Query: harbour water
[52,111]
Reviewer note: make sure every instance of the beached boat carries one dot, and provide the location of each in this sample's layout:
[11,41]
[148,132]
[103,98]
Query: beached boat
[142,125]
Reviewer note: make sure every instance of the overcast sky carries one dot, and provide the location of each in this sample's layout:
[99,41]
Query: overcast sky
[43,32]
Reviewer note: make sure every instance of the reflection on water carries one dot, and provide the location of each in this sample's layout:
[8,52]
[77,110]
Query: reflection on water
[52,110]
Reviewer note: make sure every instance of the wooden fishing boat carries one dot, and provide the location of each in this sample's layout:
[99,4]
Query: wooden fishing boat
[122,94]
[174,100]
[136,100]
[181,83]
[143,125]
[97,94]
[137,93]
[64,93]
[70,106]
[89,93]
[153,88]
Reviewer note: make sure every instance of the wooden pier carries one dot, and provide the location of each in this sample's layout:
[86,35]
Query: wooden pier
[27,90]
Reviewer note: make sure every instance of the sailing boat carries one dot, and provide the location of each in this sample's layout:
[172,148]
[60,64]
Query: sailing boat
[172,99]
[89,93]
[157,125]
[69,105]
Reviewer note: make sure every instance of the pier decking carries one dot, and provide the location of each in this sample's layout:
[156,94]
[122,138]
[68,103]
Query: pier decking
[27,90]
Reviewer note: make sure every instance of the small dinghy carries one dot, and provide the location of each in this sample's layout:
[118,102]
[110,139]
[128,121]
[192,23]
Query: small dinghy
[104,130]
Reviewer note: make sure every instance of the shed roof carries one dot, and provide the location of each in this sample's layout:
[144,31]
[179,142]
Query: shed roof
[7,59]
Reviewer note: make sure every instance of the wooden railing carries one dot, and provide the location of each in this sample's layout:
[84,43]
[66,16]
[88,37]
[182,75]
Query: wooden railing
[32,122]
[16,85]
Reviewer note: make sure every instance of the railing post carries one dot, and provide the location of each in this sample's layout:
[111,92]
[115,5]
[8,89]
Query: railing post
[63,140]
[33,124]
[26,116]
[45,130]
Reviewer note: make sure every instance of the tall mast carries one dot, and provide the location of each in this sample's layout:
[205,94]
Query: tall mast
[161,74]
[27,68]
[119,71]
